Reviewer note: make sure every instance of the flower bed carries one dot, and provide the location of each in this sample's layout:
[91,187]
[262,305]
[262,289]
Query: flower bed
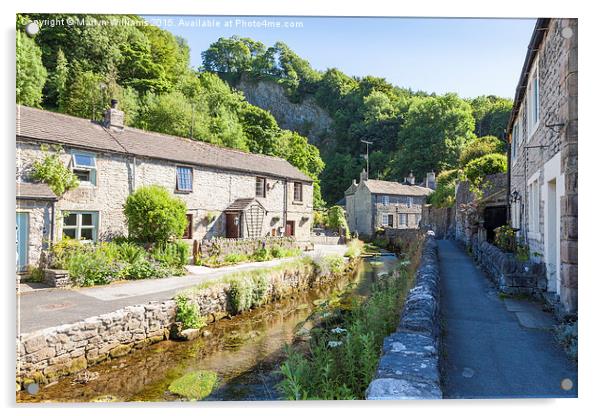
[105,262]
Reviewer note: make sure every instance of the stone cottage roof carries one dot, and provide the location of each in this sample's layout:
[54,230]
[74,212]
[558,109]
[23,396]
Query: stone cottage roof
[34,191]
[395,188]
[67,130]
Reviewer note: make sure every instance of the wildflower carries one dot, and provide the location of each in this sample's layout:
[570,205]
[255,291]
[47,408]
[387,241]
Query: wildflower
[338,330]
[334,344]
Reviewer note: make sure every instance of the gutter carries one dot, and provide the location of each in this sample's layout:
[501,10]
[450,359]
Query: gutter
[541,27]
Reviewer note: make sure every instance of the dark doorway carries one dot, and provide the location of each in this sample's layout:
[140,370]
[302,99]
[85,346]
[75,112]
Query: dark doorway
[188,231]
[493,217]
[290,228]
[232,225]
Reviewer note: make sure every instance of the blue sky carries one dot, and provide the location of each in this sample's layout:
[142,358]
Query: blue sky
[469,56]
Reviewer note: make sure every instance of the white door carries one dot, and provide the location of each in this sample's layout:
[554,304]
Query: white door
[552,241]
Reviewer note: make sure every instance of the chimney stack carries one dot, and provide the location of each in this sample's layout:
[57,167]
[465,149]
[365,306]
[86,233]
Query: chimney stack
[363,175]
[430,181]
[410,179]
[114,118]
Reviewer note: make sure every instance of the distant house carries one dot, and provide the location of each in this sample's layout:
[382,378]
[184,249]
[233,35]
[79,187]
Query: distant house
[229,193]
[371,204]
[542,132]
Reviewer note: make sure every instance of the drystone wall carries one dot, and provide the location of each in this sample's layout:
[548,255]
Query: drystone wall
[46,355]
[409,366]
[512,276]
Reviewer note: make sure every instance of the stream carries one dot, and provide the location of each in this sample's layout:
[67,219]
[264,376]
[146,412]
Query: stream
[245,352]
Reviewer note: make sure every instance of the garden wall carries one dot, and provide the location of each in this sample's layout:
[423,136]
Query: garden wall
[409,366]
[46,355]
[511,276]
[218,248]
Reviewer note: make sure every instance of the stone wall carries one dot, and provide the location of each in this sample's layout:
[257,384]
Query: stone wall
[409,366]
[221,247]
[439,220]
[511,276]
[49,354]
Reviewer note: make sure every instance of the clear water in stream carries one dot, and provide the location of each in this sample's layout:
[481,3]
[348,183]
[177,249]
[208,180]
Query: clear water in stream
[244,351]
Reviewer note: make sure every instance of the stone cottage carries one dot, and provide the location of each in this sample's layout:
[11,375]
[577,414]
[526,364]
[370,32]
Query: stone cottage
[542,132]
[372,204]
[229,193]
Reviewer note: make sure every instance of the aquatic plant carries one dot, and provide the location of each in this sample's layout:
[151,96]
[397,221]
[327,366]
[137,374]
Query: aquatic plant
[188,313]
[194,386]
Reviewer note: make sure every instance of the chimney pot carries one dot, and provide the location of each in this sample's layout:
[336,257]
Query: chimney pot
[114,103]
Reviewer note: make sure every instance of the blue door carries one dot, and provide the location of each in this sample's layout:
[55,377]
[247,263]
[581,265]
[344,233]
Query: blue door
[22,240]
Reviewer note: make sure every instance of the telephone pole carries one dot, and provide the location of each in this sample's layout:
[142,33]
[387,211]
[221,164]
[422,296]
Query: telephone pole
[367,156]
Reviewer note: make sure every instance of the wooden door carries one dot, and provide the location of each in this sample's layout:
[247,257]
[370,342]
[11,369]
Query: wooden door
[290,228]
[233,225]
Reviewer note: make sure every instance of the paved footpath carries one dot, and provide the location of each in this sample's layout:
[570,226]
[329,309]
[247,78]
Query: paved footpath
[494,348]
[45,307]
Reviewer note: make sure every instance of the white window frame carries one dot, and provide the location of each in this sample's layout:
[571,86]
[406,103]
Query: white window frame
[385,220]
[385,199]
[533,99]
[297,185]
[78,227]
[403,224]
[183,190]
[91,169]
[534,205]
[410,202]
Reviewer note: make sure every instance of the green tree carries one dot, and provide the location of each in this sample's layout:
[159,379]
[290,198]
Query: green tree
[491,115]
[481,146]
[477,169]
[84,97]
[52,171]
[153,215]
[435,130]
[57,81]
[31,73]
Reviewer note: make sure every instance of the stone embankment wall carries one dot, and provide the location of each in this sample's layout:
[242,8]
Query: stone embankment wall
[46,355]
[439,220]
[511,276]
[409,366]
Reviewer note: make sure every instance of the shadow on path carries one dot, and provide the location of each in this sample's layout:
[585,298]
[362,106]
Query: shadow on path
[494,348]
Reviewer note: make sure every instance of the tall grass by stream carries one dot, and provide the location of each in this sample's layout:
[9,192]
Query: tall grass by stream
[340,358]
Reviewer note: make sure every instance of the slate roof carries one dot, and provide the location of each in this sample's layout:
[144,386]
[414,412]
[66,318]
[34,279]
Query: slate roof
[395,188]
[34,191]
[241,204]
[67,130]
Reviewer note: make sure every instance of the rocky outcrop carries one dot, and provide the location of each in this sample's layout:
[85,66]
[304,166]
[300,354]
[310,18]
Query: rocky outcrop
[409,366]
[307,117]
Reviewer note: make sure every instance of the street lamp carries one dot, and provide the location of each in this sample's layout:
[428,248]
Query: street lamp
[367,156]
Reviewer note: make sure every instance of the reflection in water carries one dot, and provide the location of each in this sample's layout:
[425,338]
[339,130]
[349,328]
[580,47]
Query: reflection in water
[244,351]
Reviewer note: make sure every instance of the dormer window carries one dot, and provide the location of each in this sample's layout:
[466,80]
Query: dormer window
[84,167]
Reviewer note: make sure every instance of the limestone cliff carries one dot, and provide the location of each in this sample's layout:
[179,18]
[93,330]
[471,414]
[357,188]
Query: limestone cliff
[306,118]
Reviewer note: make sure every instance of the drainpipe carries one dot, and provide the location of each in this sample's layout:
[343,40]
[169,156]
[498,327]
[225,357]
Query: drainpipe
[285,211]
[52,223]
[508,175]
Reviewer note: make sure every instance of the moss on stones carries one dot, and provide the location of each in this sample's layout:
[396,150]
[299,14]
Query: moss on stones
[194,386]
[120,350]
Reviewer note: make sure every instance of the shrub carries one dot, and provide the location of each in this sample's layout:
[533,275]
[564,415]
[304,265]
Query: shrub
[235,258]
[477,169]
[445,193]
[63,250]
[261,254]
[142,269]
[171,254]
[53,172]
[260,289]
[188,313]
[92,267]
[279,252]
[330,264]
[130,252]
[336,220]
[240,294]
[381,241]
[505,238]
[154,215]
[354,248]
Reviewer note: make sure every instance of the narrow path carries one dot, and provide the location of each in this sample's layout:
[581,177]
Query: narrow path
[44,308]
[494,348]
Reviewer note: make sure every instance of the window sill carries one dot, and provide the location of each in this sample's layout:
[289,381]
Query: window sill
[297,202]
[178,191]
